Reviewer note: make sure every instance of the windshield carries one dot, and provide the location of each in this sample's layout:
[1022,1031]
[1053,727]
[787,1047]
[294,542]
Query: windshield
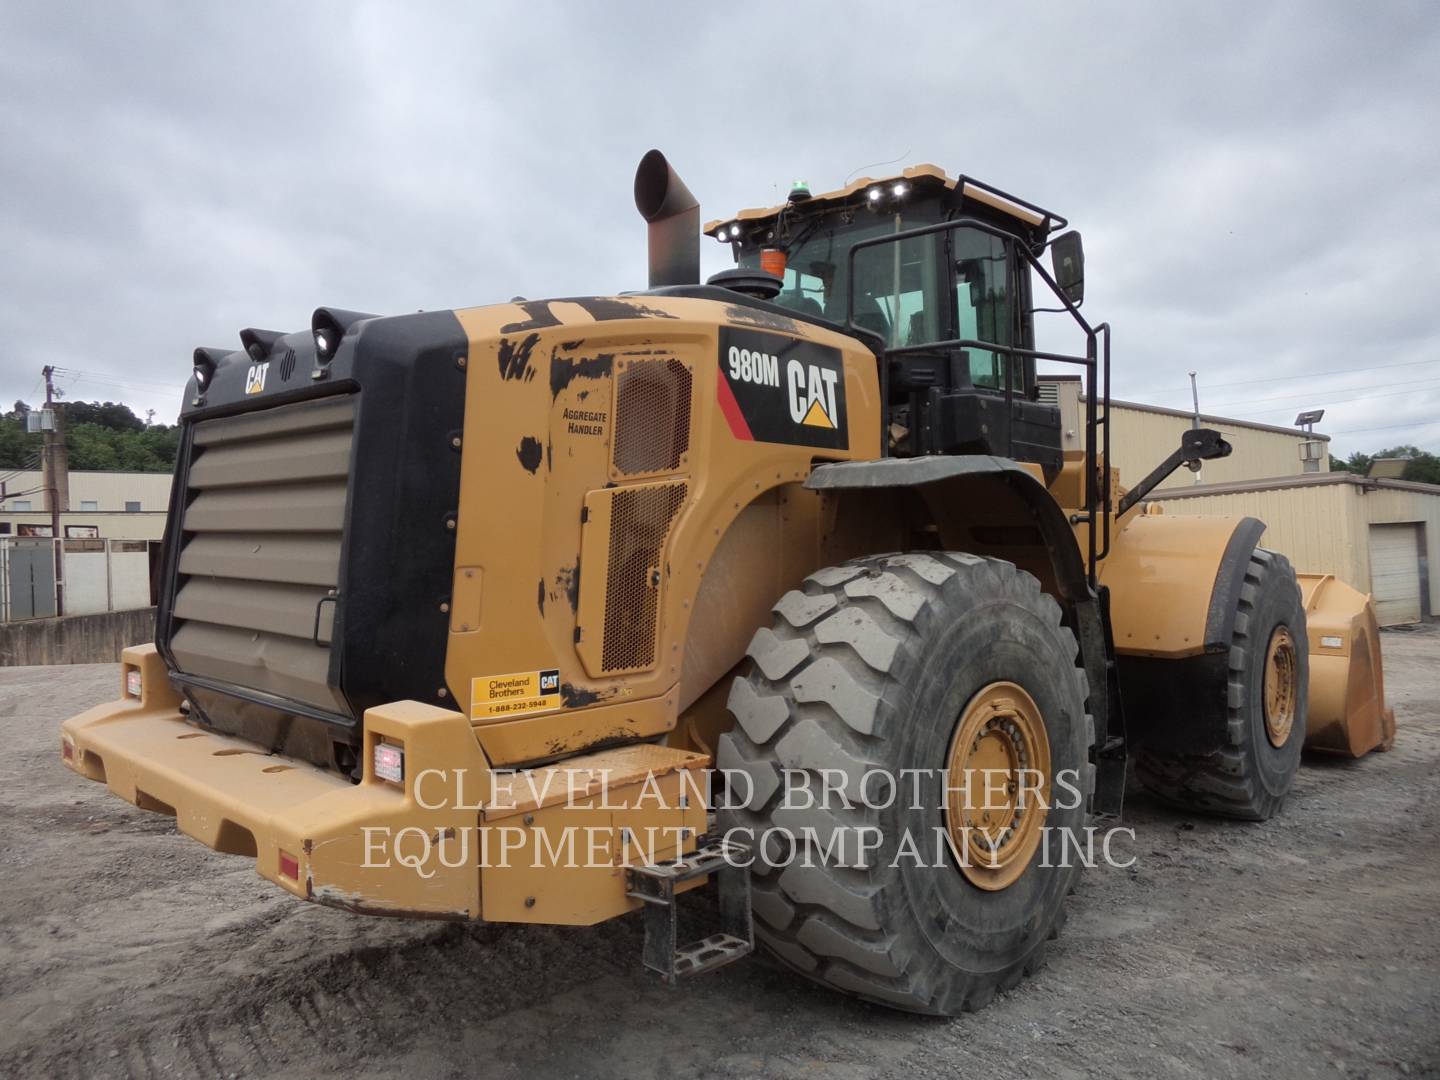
[896,287]
[903,292]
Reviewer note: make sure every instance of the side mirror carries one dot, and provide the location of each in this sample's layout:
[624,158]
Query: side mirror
[1067,256]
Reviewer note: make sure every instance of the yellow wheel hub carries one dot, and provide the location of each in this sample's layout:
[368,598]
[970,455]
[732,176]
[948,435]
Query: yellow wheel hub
[997,786]
[1282,675]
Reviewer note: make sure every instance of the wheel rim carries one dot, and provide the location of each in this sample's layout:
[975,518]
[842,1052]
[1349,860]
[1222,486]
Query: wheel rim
[997,786]
[1281,686]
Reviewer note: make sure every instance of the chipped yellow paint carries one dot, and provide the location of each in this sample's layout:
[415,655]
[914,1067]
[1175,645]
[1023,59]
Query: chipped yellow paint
[552,379]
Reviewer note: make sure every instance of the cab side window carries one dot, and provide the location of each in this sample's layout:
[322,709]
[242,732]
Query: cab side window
[984,304]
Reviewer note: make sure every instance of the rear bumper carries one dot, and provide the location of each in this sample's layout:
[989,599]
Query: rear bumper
[461,850]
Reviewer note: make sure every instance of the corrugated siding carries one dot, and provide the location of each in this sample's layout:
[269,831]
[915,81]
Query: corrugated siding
[1384,506]
[1325,528]
[1314,527]
[1140,440]
[110,491]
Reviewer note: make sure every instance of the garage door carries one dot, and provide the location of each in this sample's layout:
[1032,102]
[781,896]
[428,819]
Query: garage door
[1395,573]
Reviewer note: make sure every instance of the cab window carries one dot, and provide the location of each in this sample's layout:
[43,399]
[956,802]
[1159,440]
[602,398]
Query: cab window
[984,306]
[897,291]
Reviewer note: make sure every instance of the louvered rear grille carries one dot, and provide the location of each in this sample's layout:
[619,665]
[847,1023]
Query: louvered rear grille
[263,524]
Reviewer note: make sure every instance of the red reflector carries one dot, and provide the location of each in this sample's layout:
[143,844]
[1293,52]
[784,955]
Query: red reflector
[289,866]
[67,750]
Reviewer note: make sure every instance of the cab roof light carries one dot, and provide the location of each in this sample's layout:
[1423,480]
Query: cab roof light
[328,326]
[258,343]
[207,362]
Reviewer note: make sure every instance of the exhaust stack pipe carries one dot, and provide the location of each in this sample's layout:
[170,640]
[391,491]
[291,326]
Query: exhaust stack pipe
[674,219]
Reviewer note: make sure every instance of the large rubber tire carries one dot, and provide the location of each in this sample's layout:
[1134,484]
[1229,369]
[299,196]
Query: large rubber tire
[1247,777]
[869,666]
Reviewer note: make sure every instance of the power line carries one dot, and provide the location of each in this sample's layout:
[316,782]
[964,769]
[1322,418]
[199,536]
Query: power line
[1386,427]
[121,381]
[1345,401]
[1300,375]
[106,375]
[1410,386]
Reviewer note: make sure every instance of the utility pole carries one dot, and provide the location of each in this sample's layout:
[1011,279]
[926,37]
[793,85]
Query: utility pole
[57,479]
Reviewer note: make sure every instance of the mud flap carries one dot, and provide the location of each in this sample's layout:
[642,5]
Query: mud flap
[655,885]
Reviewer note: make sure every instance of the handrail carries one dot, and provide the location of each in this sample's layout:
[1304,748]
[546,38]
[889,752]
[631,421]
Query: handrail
[1096,362]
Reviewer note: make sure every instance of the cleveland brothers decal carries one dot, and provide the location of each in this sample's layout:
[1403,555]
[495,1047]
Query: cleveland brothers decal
[779,389]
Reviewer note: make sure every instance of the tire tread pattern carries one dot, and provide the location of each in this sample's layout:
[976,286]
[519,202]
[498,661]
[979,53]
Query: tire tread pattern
[827,662]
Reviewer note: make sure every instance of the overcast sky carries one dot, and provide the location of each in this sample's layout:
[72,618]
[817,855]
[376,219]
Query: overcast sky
[1258,185]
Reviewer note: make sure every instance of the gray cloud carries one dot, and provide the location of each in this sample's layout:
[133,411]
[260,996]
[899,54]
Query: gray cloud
[1256,184]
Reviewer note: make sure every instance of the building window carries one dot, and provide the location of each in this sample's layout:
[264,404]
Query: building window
[22,506]
[132,507]
[89,504]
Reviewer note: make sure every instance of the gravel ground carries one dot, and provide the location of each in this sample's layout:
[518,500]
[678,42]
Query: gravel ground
[1307,946]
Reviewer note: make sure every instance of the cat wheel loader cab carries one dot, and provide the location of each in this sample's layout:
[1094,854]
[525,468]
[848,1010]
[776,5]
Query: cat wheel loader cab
[460,608]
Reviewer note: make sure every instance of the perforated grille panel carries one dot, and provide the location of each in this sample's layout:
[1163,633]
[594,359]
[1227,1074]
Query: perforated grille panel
[652,417]
[640,521]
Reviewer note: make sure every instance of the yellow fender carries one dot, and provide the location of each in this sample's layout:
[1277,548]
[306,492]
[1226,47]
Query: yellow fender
[1347,712]
[1174,582]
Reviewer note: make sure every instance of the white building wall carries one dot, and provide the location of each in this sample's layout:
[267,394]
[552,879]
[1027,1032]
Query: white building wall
[129,576]
[110,491]
[147,526]
[87,581]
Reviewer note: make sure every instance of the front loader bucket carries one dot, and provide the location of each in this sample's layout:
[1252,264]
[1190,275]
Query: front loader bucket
[1347,685]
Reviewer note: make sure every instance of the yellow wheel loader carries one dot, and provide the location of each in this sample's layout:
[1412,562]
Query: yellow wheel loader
[460,608]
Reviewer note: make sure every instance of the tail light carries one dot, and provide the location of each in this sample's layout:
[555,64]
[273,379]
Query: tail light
[390,762]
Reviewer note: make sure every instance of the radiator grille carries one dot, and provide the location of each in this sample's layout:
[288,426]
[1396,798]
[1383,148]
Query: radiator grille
[263,523]
[640,521]
[652,417]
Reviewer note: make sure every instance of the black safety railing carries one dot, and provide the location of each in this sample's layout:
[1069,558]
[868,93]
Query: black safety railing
[1096,510]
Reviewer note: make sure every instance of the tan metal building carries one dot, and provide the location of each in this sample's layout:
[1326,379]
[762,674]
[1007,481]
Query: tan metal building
[119,505]
[1381,536]
[1141,436]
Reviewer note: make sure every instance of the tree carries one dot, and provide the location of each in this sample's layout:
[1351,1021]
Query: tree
[110,414]
[1423,466]
[101,436]
[17,449]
